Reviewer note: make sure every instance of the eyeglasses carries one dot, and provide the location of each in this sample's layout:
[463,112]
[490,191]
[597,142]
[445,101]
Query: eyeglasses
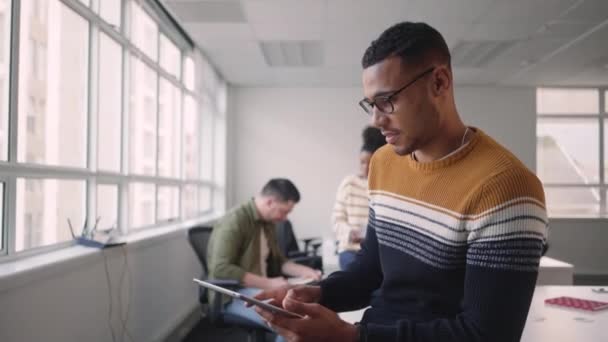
[384,103]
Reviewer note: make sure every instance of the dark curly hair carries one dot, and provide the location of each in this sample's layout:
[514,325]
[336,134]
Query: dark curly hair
[414,43]
[372,139]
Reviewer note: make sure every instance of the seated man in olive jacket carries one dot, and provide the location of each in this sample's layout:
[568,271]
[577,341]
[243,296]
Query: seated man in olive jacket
[243,246]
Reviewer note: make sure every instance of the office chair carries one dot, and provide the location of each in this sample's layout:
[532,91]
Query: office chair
[290,248]
[199,239]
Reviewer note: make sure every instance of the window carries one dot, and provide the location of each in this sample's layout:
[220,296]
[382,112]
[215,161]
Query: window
[142,200]
[136,137]
[107,206]
[189,201]
[605,167]
[170,57]
[2,216]
[144,31]
[207,139]
[189,73]
[59,103]
[190,142]
[167,203]
[169,129]
[109,106]
[219,155]
[110,11]
[567,101]
[31,124]
[575,202]
[221,99]
[204,199]
[44,215]
[142,122]
[5,40]
[568,151]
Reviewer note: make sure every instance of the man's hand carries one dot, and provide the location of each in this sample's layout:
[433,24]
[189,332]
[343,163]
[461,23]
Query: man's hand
[296,270]
[355,236]
[319,324]
[277,282]
[305,294]
[311,274]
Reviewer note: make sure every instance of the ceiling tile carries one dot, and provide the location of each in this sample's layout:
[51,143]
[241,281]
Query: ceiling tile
[524,53]
[436,12]
[588,11]
[545,31]
[515,12]
[228,32]
[208,11]
[286,19]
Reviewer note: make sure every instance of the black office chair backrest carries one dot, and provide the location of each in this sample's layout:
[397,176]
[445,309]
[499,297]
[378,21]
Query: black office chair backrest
[199,239]
[286,238]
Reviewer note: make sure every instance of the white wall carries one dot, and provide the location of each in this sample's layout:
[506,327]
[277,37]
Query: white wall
[313,136]
[506,114]
[70,301]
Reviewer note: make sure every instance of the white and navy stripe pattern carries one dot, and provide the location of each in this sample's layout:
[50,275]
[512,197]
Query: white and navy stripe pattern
[509,236]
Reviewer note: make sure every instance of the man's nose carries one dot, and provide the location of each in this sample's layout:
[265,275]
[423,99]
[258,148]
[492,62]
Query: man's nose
[378,119]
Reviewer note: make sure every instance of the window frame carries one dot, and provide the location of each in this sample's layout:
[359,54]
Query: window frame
[602,120]
[11,169]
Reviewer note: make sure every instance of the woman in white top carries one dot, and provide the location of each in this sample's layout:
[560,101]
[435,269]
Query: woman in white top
[351,209]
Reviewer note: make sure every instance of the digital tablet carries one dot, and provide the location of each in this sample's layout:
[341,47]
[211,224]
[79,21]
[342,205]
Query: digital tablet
[247,299]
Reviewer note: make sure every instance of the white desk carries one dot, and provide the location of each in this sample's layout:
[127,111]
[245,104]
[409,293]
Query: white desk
[549,323]
[554,272]
[553,324]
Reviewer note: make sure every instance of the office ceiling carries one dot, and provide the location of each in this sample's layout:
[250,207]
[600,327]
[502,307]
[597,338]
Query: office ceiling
[319,43]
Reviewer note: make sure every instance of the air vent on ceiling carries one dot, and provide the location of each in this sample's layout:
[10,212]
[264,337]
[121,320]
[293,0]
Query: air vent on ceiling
[307,53]
[478,53]
[208,11]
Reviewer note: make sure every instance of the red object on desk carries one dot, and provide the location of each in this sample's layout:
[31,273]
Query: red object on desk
[577,303]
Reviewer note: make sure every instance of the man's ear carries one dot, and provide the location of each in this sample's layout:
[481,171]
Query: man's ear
[268,202]
[442,81]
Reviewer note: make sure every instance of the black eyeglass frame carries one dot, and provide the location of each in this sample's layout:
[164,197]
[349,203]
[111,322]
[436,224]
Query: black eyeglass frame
[368,106]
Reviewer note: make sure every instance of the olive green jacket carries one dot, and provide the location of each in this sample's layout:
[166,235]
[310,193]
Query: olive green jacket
[234,245]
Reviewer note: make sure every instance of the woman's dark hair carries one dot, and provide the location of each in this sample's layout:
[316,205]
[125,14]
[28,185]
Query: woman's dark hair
[372,139]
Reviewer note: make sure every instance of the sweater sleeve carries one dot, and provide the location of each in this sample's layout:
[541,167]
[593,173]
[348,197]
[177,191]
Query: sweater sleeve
[351,289]
[504,245]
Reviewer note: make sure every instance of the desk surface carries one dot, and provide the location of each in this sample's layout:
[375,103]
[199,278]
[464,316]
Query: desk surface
[546,262]
[549,323]
[553,324]
[554,272]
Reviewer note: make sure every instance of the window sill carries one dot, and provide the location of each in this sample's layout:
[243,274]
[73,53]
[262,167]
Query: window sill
[24,270]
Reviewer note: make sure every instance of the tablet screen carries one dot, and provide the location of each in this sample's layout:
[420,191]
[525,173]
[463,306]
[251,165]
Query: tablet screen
[247,299]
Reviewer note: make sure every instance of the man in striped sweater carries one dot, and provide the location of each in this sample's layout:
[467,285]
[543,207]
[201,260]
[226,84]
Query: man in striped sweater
[456,226]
